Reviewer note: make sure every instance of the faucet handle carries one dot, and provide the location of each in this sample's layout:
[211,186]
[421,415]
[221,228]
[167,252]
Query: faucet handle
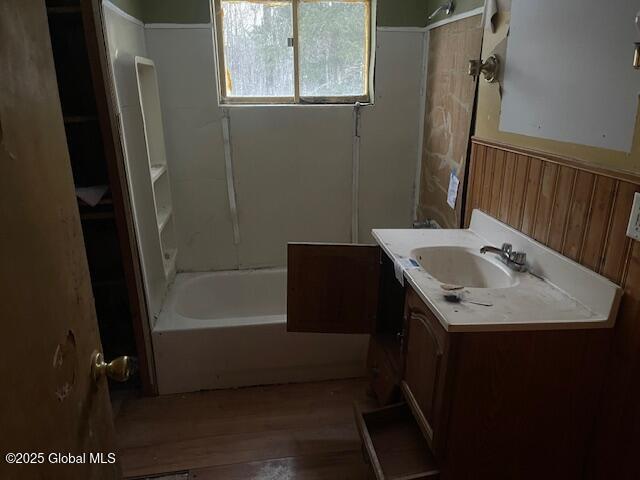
[506,247]
[519,257]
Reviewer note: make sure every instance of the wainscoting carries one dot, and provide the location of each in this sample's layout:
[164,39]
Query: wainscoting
[582,211]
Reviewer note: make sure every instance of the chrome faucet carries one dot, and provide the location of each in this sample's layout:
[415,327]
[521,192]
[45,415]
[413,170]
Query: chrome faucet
[514,260]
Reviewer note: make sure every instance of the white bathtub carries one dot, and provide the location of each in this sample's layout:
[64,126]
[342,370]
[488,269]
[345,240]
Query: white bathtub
[228,329]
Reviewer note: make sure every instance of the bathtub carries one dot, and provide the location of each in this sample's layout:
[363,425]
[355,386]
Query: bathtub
[228,329]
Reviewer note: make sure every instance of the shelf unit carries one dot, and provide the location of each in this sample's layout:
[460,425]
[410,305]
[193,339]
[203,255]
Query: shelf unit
[164,216]
[157,171]
[157,161]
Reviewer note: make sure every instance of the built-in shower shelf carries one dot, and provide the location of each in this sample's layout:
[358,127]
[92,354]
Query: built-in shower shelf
[165,249]
[157,171]
[164,216]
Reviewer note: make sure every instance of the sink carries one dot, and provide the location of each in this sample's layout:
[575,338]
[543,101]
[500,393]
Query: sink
[463,266]
[556,292]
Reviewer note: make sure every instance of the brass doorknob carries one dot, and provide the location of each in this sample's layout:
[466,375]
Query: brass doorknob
[119,369]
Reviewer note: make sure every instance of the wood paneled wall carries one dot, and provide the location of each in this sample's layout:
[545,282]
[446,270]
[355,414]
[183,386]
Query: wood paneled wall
[581,211]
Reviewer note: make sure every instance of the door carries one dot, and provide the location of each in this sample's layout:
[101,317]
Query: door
[49,403]
[332,288]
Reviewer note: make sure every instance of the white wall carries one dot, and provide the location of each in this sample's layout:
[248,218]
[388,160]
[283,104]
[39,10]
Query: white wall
[193,135]
[126,39]
[292,164]
[568,73]
[293,177]
[390,133]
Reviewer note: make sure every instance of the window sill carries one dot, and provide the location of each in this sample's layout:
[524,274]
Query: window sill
[313,105]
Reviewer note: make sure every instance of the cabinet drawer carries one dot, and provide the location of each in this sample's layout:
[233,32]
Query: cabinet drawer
[394,444]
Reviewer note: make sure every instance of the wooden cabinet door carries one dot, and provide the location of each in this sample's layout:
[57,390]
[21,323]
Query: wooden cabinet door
[426,356]
[332,288]
[422,364]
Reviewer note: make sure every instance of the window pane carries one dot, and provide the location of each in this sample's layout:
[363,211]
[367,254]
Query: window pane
[258,60]
[333,39]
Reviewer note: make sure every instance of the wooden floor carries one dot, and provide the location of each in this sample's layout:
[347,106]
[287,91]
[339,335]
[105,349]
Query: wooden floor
[284,432]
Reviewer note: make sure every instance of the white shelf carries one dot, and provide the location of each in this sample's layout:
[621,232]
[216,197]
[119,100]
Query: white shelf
[157,171]
[164,216]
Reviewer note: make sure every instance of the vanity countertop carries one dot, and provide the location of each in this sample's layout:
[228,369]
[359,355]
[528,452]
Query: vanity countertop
[556,292]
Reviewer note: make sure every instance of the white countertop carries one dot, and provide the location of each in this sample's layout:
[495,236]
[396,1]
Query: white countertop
[557,293]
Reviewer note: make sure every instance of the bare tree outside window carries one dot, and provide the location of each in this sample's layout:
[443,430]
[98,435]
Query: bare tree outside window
[293,51]
[258,61]
[333,53]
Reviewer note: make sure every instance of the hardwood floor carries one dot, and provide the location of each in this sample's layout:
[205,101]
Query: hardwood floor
[283,432]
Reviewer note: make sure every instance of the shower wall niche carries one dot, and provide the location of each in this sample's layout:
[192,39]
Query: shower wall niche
[156,155]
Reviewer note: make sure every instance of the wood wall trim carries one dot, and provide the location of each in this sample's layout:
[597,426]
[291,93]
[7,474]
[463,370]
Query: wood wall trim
[625,175]
[581,211]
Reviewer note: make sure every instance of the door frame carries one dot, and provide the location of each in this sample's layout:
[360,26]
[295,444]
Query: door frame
[116,168]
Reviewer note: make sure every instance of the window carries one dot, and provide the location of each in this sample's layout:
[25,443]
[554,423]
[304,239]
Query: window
[294,51]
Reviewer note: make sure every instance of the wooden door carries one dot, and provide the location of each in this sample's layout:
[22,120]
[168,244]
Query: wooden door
[49,403]
[332,288]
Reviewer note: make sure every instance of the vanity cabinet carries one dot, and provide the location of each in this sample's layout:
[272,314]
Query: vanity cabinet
[495,404]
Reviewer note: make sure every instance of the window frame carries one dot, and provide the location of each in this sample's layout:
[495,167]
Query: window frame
[296,99]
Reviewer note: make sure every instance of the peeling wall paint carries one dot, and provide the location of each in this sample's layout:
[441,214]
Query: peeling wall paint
[449,105]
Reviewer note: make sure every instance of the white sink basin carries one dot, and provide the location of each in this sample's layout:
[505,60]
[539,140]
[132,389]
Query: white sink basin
[554,293]
[463,266]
